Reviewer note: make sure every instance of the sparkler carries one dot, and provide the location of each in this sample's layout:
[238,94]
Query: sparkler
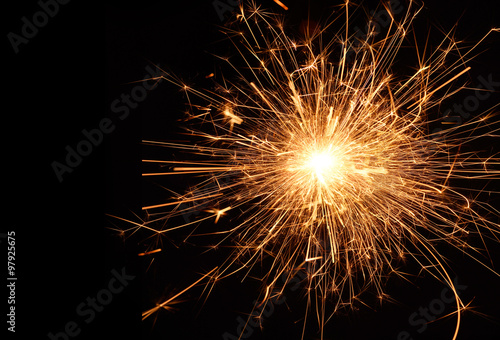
[323,156]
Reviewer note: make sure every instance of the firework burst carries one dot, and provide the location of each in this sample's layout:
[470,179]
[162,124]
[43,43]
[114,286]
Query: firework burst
[321,154]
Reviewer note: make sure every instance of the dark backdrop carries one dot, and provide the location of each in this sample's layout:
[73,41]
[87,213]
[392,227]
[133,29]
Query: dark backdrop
[67,78]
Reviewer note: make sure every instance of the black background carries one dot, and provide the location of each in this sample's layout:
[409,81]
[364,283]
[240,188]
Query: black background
[64,80]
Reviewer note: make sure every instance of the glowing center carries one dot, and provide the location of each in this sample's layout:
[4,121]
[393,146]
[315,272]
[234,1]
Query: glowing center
[322,163]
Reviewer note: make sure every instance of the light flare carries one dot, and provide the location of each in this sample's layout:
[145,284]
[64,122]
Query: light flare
[323,164]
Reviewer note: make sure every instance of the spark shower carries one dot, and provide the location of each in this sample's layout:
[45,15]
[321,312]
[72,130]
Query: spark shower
[316,156]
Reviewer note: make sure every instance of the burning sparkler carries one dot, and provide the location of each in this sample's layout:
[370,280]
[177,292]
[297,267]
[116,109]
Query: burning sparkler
[324,155]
